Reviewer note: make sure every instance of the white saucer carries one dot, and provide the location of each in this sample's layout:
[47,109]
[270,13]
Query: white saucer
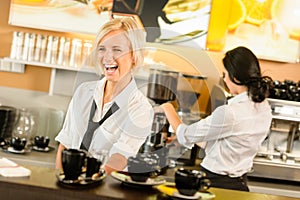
[12,150]
[181,196]
[170,190]
[46,149]
[127,180]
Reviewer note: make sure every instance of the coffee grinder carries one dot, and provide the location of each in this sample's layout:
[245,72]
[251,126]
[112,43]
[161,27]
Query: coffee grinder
[162,87]
[189,87]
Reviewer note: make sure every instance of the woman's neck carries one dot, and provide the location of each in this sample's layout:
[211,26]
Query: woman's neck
[112,89]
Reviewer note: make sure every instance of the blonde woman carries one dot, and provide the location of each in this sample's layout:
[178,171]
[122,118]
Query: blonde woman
[119,46]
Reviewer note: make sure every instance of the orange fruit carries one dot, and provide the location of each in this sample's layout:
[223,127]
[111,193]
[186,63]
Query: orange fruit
[258,10]
[237,15]
[286,13]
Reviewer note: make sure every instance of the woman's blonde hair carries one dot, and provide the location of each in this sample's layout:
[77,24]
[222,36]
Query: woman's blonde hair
[135,35]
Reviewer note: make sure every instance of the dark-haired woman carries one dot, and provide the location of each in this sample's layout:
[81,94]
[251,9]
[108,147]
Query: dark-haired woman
[234,132]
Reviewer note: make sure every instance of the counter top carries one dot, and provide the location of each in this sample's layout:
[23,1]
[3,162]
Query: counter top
[43,184]
[32,157]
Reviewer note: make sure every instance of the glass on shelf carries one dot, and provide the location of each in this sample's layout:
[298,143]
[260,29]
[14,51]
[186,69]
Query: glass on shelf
[54,50]
[17,45]
[31,46]
[75,57]
[49,49]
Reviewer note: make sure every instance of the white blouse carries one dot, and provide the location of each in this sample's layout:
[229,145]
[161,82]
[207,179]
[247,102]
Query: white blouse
[123,132]
[233,133]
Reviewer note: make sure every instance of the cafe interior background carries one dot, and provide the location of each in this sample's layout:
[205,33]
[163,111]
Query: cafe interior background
[193,40]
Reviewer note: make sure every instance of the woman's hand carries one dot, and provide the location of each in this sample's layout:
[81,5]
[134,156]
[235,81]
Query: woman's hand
[171,139]
[58,159]
[116,162]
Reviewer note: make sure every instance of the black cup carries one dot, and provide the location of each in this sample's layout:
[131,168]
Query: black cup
[92,166]
[41,141]
[72,161]
[188,182]
[3,142]
[142,167]
[18,143]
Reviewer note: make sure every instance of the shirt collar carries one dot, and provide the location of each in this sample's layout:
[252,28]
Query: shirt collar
[239,98]
[121,99]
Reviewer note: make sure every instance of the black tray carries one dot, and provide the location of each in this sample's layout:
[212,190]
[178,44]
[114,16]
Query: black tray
[82,181]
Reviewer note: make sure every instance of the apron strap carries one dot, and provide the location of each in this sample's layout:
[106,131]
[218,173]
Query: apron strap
[92,126]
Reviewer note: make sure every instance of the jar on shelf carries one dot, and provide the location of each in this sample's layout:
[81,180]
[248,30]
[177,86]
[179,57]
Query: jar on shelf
[86,53]
[14,45]
[75,57]
[17,45]
[49,49]
[54,50]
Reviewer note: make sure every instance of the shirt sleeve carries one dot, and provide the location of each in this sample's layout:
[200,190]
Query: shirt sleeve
[74,125]
[216,126]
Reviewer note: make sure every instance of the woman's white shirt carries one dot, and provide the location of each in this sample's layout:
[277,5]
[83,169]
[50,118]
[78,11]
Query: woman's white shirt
[233,133]
[123,132]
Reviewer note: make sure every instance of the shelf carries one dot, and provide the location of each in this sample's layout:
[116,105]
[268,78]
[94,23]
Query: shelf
[14,65]
[49,65]
[18,66]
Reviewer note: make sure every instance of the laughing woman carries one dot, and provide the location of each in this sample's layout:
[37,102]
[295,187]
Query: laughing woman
[120,44]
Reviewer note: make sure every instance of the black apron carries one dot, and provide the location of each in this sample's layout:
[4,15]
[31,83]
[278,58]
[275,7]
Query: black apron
[92,126]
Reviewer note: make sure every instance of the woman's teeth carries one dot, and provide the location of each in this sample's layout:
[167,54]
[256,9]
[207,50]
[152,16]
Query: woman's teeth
[111,68]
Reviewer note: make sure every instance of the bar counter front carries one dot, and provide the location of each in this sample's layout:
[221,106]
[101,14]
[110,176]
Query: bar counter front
[43,184]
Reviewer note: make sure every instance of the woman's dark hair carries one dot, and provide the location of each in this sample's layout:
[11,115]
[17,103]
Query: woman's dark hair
[243,69]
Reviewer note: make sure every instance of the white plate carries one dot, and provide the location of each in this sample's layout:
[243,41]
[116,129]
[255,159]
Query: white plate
[47,149]
[173,192]
[181,196]
[12,150]
[126,179]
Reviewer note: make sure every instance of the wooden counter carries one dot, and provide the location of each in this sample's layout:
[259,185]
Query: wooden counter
[42,185]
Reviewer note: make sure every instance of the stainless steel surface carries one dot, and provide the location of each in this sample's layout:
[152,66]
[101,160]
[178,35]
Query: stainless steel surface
[285,110]
[276,169]
[279,157]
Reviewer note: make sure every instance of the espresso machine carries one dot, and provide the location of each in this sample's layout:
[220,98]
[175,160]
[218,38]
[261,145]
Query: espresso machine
[161,88]
[183,90]
[279,156]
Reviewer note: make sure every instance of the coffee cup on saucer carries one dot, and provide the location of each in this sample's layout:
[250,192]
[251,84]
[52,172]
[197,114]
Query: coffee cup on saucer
[18,143]
[92,166]
[142,167]
[73,161]
[3,142]
[188,181]
[41,141]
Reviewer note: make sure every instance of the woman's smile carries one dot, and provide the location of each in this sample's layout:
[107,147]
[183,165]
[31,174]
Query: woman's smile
[110,68]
